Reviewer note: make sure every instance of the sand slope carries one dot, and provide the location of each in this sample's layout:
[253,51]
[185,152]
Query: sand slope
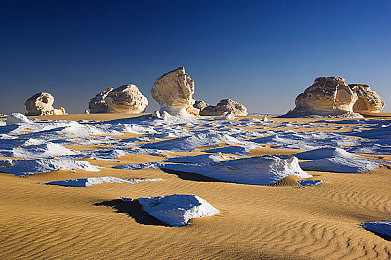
[255,222]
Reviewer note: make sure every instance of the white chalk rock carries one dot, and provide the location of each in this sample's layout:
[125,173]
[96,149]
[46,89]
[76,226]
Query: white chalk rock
[224,107]
[177,209]
[327,96]
[126,99]
[17,118]
[174,91]
[260,170]
[40,104]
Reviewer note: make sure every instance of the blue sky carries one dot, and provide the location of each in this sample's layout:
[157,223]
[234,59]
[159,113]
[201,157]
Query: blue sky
[259,53]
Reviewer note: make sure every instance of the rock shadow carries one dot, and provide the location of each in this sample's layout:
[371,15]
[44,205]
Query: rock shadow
[134,210]
[191,176]
[385,237]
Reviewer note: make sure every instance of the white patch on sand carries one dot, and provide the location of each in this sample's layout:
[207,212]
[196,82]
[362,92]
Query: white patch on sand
[381,227]
[39,151]
[138,166]
[190,143]
[335,160]
[17,118]
[88,182]
[26,167]
[236,150]
[202,158]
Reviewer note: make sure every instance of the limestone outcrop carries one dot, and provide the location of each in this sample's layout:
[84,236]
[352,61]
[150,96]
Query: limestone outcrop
[327,96]
[368,100]
[40,104]
[331,96]
[125,99]
[200,105]
[97,104]
[224,107]
[174,92]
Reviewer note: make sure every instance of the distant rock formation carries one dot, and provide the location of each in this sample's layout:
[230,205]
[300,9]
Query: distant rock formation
[174,92]
[200,105]
[40,104]
[97,104]
[224,107]
[327,96]
[368,100]
[125,99]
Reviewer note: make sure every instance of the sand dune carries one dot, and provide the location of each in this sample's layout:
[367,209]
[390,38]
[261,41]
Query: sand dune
[255,222]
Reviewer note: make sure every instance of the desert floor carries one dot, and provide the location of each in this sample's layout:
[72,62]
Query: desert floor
[255,222]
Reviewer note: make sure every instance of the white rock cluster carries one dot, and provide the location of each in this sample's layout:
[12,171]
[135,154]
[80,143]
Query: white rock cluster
[331,96]
[226,107]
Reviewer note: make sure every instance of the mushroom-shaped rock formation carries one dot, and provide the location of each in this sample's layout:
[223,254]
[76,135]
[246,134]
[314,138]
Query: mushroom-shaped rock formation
[126,99]
[40,104]
[174,92]
[97,104]
[368,100]
[225,106]
[328,96]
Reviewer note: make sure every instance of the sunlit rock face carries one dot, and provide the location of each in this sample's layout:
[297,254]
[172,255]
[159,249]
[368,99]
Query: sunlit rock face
[326,96]
[368,100]
[126,99]
[40,104]
[97,104]
[225,106]
[174,92]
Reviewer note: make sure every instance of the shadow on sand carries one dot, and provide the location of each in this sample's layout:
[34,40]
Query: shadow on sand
[385,237]
[191,176]
[132,209]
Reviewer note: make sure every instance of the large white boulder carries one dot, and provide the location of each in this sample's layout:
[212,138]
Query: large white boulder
[259,170]
[177,209]
[40,104]
[174,92]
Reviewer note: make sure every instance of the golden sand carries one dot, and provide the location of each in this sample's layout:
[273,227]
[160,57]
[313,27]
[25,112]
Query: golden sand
[255,222]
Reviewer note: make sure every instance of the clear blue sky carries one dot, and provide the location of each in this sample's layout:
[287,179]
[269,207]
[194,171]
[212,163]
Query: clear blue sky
[260,53]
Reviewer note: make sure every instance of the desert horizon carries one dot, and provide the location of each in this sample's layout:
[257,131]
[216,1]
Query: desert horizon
[195,129]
